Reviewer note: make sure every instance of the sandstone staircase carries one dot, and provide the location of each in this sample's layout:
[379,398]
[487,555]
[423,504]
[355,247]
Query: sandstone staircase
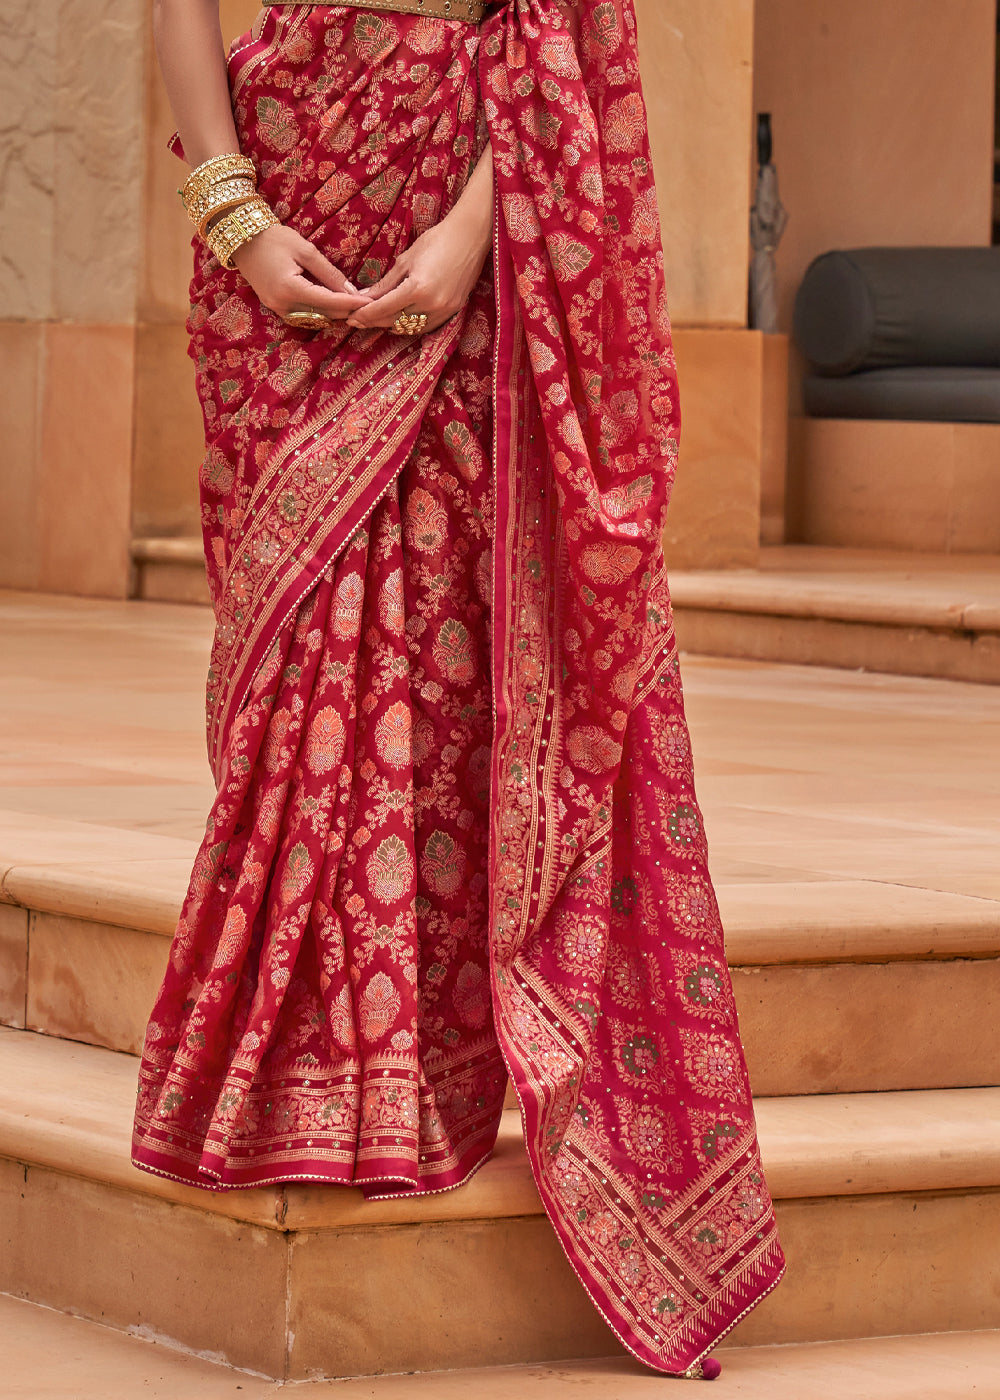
[904,613]
[909,614]
[869,1008]
[869,1015]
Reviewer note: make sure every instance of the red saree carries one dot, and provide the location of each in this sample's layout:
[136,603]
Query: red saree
[456,836]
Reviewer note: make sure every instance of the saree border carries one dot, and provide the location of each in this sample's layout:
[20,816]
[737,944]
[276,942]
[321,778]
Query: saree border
[709,1302]
[332,520]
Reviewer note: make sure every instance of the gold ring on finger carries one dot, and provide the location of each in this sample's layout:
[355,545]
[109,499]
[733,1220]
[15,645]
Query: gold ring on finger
[410,323]
[307,320]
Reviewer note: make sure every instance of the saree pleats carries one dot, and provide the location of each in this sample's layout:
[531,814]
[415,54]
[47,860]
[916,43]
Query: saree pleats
[327,1014]
[456,835]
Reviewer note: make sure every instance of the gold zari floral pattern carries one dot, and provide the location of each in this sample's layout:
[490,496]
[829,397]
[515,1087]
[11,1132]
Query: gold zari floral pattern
[456,833]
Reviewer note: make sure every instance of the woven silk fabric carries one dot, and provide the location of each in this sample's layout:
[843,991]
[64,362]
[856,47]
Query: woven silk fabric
[456,836]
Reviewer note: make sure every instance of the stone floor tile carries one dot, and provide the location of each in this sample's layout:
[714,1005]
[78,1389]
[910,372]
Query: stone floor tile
[13,965]
[957,1366]
[781,752]
[45,1355]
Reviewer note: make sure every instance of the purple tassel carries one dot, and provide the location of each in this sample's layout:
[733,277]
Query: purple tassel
[710,1369]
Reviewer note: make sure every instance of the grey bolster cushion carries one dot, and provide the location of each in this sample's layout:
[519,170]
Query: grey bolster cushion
[881,308]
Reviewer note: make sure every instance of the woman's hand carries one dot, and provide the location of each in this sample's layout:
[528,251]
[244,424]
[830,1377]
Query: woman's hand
[436,274]
[289,273]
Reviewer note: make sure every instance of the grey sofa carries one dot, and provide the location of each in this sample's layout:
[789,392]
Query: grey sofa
[902,333]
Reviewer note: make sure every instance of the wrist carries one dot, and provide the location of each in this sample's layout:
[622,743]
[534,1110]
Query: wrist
[474,226]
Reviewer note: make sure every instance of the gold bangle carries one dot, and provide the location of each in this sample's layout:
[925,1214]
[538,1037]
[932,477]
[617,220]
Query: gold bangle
[222,168]
[238,227]
[212,172]
[226,195]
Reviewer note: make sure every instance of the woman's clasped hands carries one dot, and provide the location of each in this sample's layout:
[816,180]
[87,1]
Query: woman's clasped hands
[427,284]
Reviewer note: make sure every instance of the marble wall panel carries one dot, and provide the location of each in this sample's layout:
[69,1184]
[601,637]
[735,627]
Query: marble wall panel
[28,45]
[98,114]
[698,79]
[71,75]
[169,437]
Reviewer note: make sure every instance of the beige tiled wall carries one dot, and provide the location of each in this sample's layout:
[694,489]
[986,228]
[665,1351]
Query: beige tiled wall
[66,444]
[85,450]
[100,434]
[168,435]
[72,77]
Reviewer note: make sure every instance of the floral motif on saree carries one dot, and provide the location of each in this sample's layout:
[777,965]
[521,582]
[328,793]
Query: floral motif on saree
[456,834]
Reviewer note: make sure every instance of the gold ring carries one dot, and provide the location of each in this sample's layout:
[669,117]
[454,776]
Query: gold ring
[307,320]
[410,323]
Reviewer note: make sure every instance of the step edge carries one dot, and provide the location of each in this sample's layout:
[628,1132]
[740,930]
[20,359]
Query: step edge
[751,941]
[481,1198]
[168,549]
[802,1159]
[959,618]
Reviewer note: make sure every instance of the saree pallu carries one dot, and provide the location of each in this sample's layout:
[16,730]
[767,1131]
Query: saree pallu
[456,836]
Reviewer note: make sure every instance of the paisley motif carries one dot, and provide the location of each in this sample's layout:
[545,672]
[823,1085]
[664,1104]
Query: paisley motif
[456,835]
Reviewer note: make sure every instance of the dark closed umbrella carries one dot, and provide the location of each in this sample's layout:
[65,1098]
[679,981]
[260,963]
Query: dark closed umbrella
[768,220]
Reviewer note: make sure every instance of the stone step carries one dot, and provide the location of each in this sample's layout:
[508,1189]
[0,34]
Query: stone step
[833,978]
[49,1356]
[877,610]
[169,571]
[889,1207]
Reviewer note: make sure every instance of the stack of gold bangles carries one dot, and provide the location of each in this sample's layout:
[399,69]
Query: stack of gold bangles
[222,202]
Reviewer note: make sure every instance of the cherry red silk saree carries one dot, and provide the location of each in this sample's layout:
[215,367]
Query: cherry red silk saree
[456,837]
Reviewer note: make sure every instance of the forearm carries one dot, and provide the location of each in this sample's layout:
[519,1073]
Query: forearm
[193,63]
[473,211]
